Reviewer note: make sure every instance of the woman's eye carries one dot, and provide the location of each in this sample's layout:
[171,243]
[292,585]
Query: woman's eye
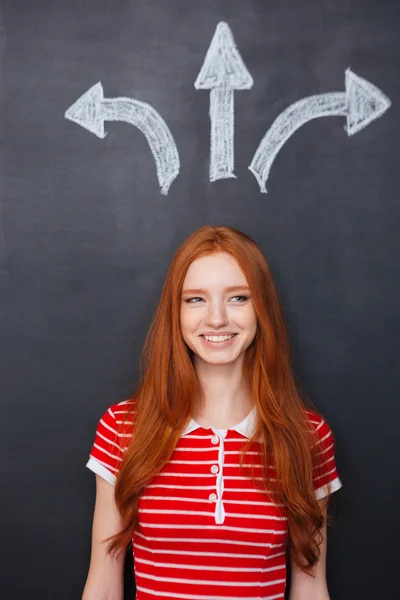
[234,298]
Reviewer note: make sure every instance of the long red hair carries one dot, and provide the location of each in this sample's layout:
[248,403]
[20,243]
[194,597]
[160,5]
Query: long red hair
[164,400]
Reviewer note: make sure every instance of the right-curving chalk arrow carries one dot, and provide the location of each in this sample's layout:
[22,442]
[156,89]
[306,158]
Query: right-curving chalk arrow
[92,109]
[361,103]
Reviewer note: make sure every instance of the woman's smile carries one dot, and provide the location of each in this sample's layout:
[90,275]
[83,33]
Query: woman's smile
[218,341]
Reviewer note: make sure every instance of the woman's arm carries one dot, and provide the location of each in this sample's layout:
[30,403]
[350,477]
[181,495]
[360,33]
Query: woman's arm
[305,587]
[105,580]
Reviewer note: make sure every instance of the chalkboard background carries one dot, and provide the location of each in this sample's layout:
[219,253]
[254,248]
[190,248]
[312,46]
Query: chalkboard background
[86,239]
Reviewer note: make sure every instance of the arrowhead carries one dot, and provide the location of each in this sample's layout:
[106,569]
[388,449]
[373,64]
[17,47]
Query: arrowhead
[223,63]
[366,102]
[87,111]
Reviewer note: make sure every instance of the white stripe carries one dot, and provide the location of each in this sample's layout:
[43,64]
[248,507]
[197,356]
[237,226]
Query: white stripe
[108,427]
[320,425]
[324,438]
[109,442]
[189,436]
[234,452]
[202,475]
[210,514]
[207,582]
[206,501]
[237,452]
[326,461]
[196,449]
[173,526]
[121,412]
[117,433]
[241,477]
[214,554]
[193,462]
[245,465]
[325,474]
[325,450]
[106,452]
[245,491]
[202,597]
[207,567]
[209,462]
[203,487]
[207,541]
[181,487]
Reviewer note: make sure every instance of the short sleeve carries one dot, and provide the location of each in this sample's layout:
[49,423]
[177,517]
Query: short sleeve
[325,474]
[110,442]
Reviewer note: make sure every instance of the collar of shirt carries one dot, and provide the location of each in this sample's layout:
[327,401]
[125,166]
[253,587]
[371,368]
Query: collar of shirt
[245,427]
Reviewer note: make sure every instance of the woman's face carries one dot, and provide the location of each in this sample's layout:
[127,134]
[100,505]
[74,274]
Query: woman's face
[218,320]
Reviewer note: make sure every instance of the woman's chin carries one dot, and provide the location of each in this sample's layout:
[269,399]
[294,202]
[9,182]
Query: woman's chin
[220,359]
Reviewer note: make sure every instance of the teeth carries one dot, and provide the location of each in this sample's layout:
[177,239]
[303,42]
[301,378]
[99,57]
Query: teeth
[218,338]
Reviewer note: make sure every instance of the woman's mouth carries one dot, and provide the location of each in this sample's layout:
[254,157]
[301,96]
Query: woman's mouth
[218,340]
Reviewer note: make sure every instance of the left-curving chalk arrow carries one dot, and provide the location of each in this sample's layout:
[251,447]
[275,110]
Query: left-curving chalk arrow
[92,109]
[361,103]
[223,71]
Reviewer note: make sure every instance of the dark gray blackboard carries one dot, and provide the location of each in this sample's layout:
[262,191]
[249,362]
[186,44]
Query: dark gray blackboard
[86,239]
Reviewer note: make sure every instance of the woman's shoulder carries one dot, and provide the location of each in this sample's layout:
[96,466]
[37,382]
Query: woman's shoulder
[122,409]
[119,418]
[318,424]
[313,417]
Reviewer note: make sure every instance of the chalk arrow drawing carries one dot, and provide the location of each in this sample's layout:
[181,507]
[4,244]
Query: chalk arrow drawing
[361,103]
[223,71]
[92,109]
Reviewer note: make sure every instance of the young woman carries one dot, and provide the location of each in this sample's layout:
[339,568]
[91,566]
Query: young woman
[217,469]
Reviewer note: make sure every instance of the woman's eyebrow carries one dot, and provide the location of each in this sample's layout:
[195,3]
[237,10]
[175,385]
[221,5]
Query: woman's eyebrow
[231,288]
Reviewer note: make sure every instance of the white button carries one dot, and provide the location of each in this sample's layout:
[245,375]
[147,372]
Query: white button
[214,439]
[214,469]
[212,497]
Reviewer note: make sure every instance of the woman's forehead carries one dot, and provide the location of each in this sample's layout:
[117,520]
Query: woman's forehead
[219,268]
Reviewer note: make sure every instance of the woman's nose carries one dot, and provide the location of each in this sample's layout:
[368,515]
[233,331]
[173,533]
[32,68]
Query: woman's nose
[216,314]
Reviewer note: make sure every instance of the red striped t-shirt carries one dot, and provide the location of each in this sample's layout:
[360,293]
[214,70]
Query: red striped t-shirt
[206,532]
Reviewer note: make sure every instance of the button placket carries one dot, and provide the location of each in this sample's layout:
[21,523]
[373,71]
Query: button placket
[218,470]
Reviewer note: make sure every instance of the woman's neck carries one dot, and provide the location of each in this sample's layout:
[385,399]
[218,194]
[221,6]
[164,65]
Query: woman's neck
[226,398]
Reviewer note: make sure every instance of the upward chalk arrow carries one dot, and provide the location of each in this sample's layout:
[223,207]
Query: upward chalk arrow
[92,109]
[361,103]
[223,71]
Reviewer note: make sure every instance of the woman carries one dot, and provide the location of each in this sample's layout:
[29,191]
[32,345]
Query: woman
[216,469]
